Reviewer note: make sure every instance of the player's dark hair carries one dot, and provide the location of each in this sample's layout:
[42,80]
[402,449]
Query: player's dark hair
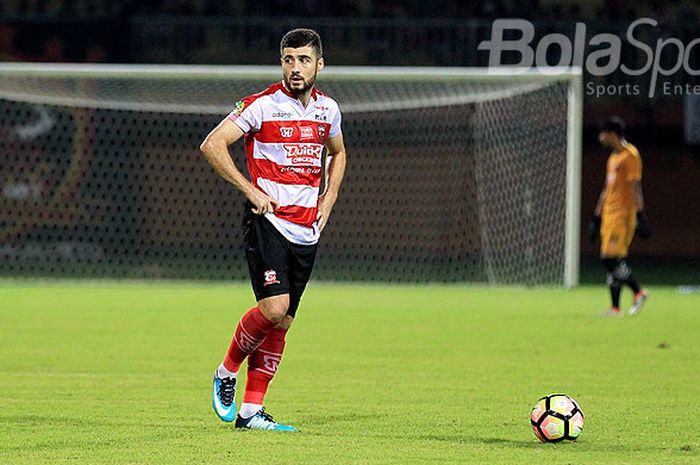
[301,38]
[614,124]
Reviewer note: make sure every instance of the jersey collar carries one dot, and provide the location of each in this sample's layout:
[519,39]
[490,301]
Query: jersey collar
[288,93]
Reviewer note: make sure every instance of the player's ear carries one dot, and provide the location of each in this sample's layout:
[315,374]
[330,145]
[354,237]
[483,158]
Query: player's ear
[320,64]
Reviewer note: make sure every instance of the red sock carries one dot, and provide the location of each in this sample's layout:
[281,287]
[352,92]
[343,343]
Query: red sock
[262,366]
[250,333]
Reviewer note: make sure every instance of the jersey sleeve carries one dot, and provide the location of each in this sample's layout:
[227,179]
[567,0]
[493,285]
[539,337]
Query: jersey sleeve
[634,168]
[247,115]
[336,120]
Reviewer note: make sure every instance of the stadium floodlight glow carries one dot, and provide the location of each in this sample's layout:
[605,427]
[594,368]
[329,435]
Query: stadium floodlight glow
[454,175]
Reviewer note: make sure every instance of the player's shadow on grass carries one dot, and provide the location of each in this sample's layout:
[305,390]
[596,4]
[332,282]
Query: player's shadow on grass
[464,439]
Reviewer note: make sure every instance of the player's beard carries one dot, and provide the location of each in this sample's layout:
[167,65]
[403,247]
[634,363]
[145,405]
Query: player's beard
[304,89]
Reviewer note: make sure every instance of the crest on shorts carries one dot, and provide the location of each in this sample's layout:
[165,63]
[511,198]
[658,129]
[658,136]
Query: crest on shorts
[271,277]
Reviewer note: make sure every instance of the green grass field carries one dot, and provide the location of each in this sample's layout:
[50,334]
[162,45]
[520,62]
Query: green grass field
[121,373]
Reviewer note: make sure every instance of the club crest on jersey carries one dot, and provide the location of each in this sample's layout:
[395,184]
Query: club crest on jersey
[321,132]
[307,132]
[303,154]
[286,132]
[239,107]
[271,277]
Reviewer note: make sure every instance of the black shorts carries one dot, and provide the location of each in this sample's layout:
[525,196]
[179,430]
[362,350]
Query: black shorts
[276,265]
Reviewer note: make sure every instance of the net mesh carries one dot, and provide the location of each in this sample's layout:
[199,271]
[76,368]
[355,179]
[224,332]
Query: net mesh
[447,179]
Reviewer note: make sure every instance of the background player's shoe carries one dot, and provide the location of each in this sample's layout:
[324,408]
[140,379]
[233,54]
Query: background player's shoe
[262,420]
[612,312]
[640,299]
[223,398]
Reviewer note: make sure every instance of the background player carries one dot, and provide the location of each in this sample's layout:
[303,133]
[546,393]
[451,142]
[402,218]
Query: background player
[619,213]
[286,127]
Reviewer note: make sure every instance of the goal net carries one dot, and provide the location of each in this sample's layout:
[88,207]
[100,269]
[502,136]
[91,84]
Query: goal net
[454,175]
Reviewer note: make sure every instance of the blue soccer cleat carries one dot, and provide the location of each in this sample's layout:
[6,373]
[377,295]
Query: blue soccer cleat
[223,398]
[262,420]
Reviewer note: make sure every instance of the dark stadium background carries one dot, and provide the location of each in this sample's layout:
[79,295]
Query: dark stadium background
[436,33]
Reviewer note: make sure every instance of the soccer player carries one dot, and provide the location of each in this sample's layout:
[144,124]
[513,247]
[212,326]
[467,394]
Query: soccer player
[619,213]
[286,128]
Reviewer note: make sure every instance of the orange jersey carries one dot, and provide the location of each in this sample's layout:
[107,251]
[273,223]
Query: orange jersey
[624,168]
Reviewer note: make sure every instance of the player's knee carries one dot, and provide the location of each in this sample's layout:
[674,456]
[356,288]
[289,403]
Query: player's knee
[274,308]
[612,281]
[285,323]
[622,271]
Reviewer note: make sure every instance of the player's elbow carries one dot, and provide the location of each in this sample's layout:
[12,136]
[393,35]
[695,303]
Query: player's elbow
[207,145]
[338,155]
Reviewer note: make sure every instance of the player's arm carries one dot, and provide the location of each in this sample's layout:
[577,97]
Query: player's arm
[643,229]
[601,198]
[336,171]
[638,196]
[595,221]
[215,150]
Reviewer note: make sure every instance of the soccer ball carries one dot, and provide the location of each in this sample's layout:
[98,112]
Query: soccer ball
[556,417]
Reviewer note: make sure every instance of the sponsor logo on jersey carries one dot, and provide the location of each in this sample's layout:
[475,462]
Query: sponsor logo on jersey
[303,154]
[301,169]
[286,132]
[307,132]
[320,117]
[271,277]
[282,114]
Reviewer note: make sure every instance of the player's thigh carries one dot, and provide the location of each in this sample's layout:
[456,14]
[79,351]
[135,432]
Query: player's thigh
[267,256]
[275,307]
[615,235]
[301,265]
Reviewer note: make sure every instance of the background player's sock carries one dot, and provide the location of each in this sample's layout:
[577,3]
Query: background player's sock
[633,284]
[615,290]
[250,333]
[248,410]
[222,372]
[262,366]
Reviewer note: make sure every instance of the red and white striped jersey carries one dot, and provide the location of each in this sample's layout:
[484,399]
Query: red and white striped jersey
[284,144]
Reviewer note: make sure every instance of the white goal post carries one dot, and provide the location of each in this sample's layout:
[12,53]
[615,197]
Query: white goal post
[480,118]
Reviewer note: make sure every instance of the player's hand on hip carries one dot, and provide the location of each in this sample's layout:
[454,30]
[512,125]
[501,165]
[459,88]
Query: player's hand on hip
[325,206]
[263,203]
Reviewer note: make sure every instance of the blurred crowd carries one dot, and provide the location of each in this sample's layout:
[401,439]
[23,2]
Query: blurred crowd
[579,10]
[100,30]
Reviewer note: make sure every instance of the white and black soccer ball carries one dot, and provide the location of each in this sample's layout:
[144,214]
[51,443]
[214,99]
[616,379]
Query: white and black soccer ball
[556,417]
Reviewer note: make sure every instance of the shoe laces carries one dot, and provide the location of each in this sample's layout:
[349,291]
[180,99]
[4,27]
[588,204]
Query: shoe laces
[227,389]
[266,416]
